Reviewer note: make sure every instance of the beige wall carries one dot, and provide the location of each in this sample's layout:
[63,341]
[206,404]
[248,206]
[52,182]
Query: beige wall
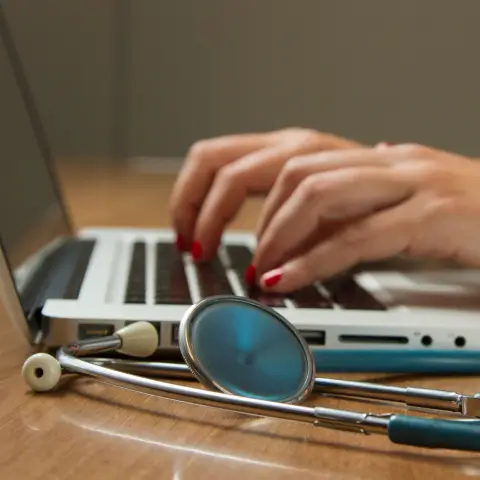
[67,50]
[183,69]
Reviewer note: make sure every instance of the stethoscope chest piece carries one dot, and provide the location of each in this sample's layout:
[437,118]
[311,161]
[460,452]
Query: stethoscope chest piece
[240,347]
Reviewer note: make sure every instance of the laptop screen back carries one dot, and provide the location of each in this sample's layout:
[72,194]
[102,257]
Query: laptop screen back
[31,213]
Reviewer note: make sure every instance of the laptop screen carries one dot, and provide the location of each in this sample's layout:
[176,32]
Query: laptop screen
[31,213]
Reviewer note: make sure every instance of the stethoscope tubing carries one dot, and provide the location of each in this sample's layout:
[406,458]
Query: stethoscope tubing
[413,397]
[401,429]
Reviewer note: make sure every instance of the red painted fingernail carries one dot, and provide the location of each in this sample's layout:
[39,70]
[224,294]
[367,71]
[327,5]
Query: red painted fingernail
[196,250]
[383,144]
[250,274]
[180,244]
[273,277]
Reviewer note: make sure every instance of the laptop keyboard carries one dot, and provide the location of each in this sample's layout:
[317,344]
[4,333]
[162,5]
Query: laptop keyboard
[60,275]
[136,286]
[212,279]
[172,282]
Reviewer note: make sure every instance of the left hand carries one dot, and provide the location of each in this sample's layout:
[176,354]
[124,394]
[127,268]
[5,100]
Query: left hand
[328,212]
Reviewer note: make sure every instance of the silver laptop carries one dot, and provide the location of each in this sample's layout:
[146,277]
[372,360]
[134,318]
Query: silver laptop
[61,285]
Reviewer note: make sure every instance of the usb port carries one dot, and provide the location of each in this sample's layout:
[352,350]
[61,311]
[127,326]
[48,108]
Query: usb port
[175,329]
[88,331]
[314,337]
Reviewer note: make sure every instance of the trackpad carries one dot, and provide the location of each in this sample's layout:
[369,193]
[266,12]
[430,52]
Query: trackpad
[450,288]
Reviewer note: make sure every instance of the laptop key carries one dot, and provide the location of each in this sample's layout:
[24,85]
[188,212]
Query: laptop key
[212,279]
[60,275]
[348,294]
[136,284]
[140,298]
[269,299]
[239,257]
[171,284]
[310,297]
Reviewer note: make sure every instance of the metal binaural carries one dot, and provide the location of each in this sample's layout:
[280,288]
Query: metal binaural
[156,369]
[351,421]
[354,422]
[94,346]
[429,400]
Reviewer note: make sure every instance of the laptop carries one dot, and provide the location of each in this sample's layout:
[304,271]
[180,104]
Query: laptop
[61,285]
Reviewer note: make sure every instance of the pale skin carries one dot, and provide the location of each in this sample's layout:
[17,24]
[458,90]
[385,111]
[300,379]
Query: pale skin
[331,203]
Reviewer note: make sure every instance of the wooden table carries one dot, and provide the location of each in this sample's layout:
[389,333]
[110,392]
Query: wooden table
[93,431]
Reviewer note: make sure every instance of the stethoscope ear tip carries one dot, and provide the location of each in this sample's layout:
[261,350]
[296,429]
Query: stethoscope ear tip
[139,339]
[42,372]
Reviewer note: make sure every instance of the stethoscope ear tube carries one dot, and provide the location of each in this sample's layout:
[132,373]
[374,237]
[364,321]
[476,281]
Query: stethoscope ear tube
[438,433]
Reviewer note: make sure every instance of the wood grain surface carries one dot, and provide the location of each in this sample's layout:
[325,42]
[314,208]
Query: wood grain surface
[89,430]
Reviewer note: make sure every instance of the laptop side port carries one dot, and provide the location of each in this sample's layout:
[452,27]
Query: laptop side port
[87,331]
[314,337]
[377,339]
[175,327]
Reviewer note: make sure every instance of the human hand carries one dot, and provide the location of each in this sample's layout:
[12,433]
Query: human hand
[328,212]
[219,173]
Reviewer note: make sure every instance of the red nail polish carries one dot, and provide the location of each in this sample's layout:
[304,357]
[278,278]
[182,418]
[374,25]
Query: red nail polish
[383,145]
[196,250]
[180,244]
[273,277]
[250,274]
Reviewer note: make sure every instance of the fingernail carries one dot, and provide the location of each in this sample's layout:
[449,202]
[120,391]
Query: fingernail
[273,277]
[250,274]
[179,243]
[196,250]
[383,145]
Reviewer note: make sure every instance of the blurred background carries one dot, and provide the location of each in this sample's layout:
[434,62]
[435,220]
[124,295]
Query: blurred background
[141,80]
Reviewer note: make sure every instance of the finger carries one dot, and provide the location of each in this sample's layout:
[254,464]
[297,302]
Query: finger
[297,169]
[382,145]
[202,162]
[325,197]
[253,173]
[377,237]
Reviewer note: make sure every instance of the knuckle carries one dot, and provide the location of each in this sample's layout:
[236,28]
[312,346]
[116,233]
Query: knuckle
[414,150]
[230,175]
[200,149]
[300,136]
[322,184]
[208,149]
[311,188]
[440,207]
[432,173]
[295,131]
[292,171]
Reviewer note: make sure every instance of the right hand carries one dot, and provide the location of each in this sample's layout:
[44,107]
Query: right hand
[220,173]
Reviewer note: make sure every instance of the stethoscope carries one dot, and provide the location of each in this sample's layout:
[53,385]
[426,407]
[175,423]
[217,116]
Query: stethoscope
[253,361]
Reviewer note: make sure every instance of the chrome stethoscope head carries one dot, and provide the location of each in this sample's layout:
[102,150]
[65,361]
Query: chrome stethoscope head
[252,360]
[232,345]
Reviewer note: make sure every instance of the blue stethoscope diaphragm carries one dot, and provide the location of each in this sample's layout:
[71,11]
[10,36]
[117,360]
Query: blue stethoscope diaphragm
[240,347]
